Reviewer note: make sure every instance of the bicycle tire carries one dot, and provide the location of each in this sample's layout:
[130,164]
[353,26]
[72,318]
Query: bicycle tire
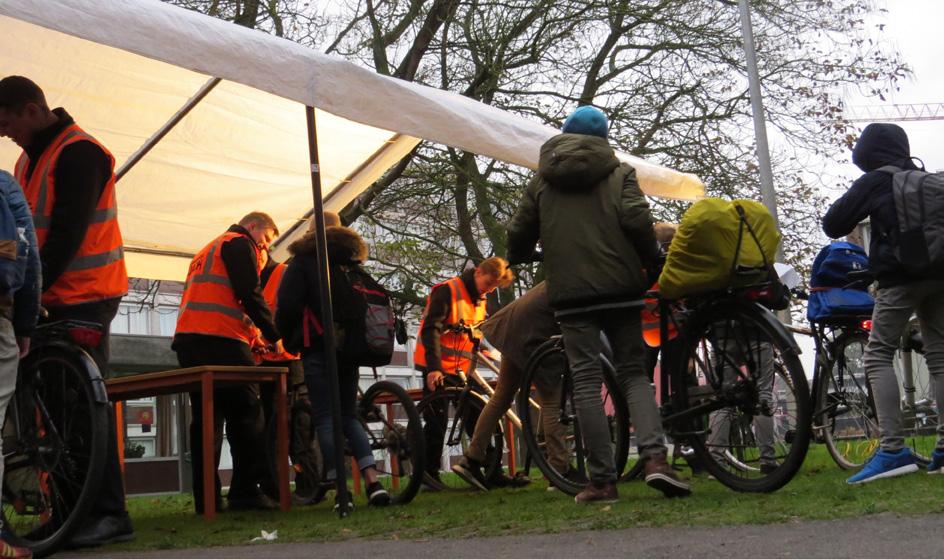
[461,424]
[919,423]
[702,385]
[845,412]
[53,461]
[548,360]
[394,428]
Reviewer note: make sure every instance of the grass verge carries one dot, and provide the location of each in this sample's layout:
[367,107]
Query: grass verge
[818,492]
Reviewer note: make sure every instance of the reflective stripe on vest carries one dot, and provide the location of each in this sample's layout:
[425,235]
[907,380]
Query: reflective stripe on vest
[270,294]
[97,271]
[208,305]
[455,347]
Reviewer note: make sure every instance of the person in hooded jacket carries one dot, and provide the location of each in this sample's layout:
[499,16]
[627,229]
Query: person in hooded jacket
[596,233]
[298,317]
[899,295]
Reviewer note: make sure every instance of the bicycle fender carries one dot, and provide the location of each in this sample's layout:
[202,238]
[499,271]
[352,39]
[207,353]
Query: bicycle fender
[89,366]
[771,320]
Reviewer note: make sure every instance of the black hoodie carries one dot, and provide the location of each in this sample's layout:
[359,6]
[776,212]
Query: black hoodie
[870,196]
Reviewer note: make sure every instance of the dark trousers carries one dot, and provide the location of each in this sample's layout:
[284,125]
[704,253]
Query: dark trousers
[435,422]
[269,480]
[238,406]
[111,496]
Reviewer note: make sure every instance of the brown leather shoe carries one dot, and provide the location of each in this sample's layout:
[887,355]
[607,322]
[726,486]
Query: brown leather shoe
[661,476]
[597,493]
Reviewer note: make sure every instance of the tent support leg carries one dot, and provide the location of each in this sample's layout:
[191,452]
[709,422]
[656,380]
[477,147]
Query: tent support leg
[327,314]
[204,90]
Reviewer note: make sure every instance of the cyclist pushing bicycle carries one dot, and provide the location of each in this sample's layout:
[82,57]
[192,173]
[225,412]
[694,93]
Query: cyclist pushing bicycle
[442,353]
[595,228]
[906,256]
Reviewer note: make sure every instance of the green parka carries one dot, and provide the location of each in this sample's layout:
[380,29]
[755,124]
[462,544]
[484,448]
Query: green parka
[593,222]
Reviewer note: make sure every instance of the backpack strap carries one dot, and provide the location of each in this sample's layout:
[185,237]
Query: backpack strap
[890,169]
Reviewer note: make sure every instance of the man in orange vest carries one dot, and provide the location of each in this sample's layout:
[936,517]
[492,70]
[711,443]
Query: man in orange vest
[442,353]
[69,181]
[221,309]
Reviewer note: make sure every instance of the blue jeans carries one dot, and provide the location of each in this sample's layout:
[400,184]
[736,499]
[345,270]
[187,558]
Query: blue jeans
[319,392]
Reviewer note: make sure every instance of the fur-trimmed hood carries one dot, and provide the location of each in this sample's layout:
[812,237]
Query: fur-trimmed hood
[345,246]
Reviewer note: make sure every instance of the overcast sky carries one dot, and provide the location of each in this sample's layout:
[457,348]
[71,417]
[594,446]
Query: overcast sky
[914,27]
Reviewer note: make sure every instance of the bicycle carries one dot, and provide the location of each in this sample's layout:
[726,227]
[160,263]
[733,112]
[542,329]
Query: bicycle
[54,437]
[392,423]
[461,404]
[550,362]
[734,392]
[844,409]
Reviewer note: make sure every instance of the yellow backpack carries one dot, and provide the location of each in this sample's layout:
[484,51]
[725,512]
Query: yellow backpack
[716,239]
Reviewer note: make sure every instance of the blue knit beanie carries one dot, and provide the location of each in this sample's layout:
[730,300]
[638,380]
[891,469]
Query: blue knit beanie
[587,120]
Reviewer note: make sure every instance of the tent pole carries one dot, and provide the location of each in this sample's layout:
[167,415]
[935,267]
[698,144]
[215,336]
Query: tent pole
[204,90]
[327,314]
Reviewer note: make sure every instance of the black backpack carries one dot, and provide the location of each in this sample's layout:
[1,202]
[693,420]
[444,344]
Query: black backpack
[919,205]
[370,337]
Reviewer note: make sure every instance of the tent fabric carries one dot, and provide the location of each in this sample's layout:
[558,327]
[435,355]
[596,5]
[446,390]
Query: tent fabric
[124,67]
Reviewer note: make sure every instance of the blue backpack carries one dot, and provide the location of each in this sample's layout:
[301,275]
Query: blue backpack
[829,298]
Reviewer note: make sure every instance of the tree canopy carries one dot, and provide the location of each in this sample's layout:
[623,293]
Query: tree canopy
[670,74]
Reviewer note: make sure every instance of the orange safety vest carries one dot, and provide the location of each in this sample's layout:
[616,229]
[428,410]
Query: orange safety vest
[270,294]
[97,272]
[455,347]
[650,322]
[208,305]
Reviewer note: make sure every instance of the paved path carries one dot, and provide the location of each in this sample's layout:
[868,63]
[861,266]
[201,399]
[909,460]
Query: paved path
[882,536]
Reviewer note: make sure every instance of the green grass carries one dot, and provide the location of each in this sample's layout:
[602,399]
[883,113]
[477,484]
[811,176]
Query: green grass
[818,492]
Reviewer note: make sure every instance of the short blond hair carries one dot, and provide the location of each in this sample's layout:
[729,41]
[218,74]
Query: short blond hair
[497,267]
[259,218]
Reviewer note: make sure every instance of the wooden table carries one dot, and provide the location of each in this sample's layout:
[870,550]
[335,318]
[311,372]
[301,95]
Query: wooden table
[205,379]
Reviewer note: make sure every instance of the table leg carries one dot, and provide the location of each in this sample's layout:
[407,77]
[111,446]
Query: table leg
[281,455]
[510,435]
[120,434]
[209,450]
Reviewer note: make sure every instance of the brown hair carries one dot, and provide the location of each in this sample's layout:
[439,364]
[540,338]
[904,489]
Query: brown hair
[16,92]
[497,267]
[259,218]
[331,219]
[664,232]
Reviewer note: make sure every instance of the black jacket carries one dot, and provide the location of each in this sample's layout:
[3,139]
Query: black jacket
[593,223]
[301,288]
[870,196]
[82,171]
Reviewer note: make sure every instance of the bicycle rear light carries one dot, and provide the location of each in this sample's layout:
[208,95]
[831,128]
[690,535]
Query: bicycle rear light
[87,337]
[866,325]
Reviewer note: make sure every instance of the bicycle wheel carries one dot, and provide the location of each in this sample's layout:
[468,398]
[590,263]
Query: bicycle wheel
[449,414]
[54,446]
[395,431]
[919,420]
[845,414]
[552,432]
[741,397]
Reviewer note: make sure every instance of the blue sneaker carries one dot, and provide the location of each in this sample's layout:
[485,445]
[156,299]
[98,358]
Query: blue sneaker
[937,462]
[885,464]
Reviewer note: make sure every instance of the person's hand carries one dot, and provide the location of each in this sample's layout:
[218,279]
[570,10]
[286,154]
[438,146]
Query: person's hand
[434,379]
[24,345]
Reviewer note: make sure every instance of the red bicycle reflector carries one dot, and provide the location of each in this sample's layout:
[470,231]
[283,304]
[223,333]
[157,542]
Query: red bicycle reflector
[88,337]
[866,325]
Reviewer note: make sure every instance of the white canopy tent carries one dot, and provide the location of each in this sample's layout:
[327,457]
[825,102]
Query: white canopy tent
[123,68]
